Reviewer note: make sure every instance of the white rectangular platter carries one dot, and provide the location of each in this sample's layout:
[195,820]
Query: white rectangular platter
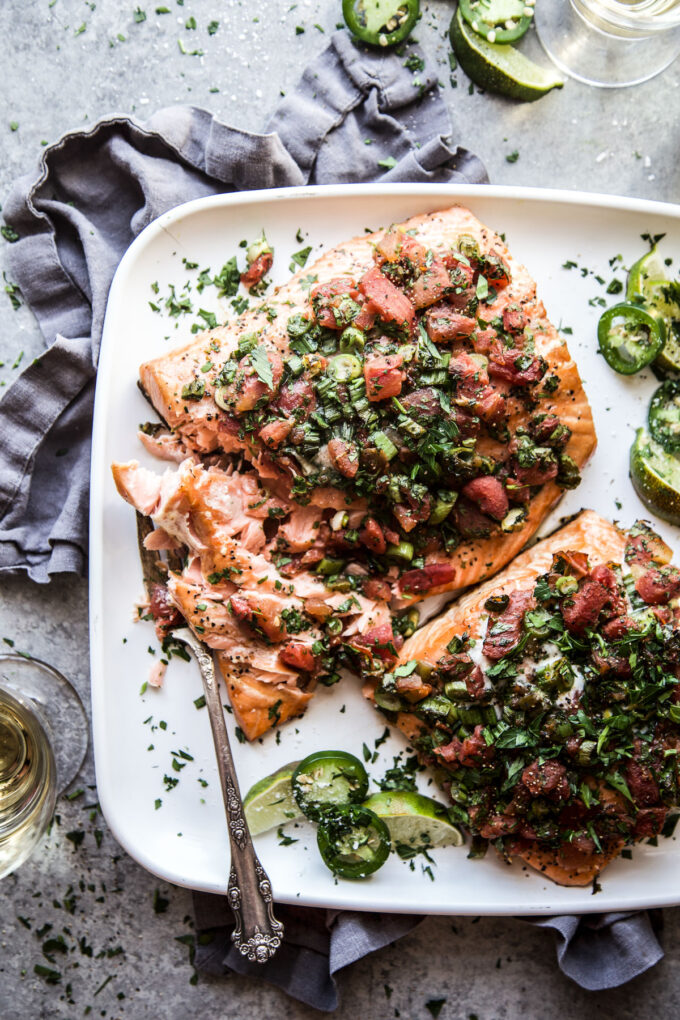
[184,839]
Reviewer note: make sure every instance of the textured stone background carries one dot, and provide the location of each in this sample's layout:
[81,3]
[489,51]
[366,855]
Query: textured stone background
[65,63]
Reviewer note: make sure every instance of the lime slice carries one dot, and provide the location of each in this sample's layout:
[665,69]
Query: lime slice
[270,801]
[648,284]
[655,475]
[497,67]
[415,822]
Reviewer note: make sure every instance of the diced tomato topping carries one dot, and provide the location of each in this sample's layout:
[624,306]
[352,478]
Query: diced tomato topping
[443,323]
[412,688]
[344,457]
[470,520]
[299,656]
[371,535]
[432,284]
[396,246]
[517,368]
[640,778]
[471,752]
[504,632]
[489,495]
[582,609]
[165,614]
[257,269]
[297,399]
[484,340]
[377,589]
[383,376]
[514,319]
[414,582]
[274,432]
[381,641]
[390,303]
[333,302]
[546,779]
[247,388]
[658,585]
[365,319]
[425,402]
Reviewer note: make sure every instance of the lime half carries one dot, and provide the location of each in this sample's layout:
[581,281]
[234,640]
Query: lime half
[415,822]
[655,474]
[648,284]
[498,67]
[270,801]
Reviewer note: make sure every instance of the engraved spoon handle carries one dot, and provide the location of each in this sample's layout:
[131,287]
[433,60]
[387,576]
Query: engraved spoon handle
[257,934]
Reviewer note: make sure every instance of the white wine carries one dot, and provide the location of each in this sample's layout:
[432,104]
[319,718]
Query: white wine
[610,43]
[27,780]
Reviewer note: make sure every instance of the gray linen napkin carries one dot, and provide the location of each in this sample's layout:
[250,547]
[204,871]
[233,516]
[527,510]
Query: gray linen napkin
[93,193]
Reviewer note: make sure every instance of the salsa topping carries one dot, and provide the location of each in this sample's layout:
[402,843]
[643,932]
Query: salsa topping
[399,389]
[563,730]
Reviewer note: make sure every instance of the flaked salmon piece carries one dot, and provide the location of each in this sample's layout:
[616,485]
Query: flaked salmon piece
[165,445]
[257,706]
[602,542]
[204,427]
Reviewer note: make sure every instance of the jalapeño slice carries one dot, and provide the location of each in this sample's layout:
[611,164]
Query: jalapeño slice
[629,337]
[353,841]
[326,779]
[380,22]
[499,21]
[664,415]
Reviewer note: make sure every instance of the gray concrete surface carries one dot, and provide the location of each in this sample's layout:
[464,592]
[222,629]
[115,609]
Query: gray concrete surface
[67,62]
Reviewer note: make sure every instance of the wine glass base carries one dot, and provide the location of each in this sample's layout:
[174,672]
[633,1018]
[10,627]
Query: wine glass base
[594,56]
[59,705]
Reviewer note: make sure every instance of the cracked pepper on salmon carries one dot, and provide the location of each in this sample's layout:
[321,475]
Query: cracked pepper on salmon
[392,423]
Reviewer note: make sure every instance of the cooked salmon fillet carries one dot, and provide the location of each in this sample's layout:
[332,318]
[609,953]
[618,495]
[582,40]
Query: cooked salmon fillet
[202,426]
[602,542]
[261,624]
[394,421]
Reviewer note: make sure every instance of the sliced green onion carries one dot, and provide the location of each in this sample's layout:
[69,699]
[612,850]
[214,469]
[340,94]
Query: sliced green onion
[443,507]
[402,551]
[384,444]
[221,397]
[514,519]
[344,367]
[352,339]
[328,567]
[257,248]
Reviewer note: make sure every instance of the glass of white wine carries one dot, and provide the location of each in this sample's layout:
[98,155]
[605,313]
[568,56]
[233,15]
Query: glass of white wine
[609,43]
[43,741]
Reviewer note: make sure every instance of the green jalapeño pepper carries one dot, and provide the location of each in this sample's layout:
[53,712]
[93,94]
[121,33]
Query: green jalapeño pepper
[499,21]
[353,841]
[326,779]
[629,337]
[380,22]
[664,415]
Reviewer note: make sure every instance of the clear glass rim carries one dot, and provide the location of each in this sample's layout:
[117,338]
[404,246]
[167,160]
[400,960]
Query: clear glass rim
[69,749]
[614,13]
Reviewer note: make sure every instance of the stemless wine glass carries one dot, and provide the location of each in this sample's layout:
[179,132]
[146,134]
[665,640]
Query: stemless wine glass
[609,43]
[43,740]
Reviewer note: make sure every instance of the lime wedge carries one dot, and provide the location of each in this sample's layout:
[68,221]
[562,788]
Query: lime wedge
[415,822]
[655,475]
[648,284]
[270,801]
[497,67]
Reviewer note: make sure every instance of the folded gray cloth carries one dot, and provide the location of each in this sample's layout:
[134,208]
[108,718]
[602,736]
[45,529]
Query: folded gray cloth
[97,189]
[93,193]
